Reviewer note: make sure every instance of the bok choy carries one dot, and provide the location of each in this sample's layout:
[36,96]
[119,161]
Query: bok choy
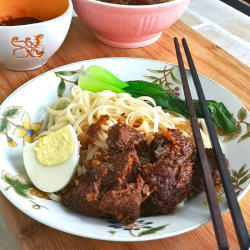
[97,79]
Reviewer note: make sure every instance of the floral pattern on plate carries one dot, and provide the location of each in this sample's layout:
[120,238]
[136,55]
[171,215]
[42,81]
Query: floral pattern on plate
[241,116]
[21,186]
[27,131]
[138,225]
[167,79]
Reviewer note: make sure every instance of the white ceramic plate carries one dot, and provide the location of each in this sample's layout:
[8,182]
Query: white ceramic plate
[29,102]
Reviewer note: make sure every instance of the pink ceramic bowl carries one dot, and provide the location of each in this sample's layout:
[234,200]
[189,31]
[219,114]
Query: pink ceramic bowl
[127,26]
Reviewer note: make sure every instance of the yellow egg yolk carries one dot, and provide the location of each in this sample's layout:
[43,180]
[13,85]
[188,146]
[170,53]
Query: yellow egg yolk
[55,148]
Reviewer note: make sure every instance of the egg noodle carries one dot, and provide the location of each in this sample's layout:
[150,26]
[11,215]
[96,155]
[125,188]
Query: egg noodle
[82,108]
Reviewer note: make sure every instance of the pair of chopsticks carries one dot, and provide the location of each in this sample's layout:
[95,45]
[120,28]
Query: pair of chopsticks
[233,205]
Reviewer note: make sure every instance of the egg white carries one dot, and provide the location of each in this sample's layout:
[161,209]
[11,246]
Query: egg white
[51,178]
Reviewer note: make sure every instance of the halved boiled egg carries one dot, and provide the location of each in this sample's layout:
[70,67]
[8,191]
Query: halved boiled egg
[51,161]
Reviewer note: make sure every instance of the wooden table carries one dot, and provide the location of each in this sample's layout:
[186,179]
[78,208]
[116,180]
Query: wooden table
[80,44]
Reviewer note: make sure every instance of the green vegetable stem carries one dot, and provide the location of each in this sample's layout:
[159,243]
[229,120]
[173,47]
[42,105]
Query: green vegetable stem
[97,79]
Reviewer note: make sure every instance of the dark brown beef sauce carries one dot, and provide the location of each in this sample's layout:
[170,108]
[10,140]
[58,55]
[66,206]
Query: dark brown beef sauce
[19,21]
[132,176]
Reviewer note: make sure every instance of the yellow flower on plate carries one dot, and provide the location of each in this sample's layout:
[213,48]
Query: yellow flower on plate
[29,131]
[11,143]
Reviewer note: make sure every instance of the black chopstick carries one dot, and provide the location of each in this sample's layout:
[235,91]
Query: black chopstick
[208,181]
[233,204]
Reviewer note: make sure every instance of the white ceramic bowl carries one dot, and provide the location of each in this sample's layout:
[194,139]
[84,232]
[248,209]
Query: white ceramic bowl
[27,47]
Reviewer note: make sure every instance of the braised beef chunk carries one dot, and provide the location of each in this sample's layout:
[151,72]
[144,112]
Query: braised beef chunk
[116,168]
[171,174]
[124,203]
[156,148]
[171,144]
[122,137]
[197,183]
[172,182]
[83,197]
[109,171]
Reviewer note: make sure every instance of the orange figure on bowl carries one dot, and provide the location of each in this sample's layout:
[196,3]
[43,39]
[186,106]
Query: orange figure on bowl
[31,31]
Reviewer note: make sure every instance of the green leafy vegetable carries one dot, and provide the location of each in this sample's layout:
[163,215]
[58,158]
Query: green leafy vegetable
[221,116]
[165,99]
[143,84]
[97,79]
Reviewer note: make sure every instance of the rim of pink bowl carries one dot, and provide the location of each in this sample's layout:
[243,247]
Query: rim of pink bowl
[173,2]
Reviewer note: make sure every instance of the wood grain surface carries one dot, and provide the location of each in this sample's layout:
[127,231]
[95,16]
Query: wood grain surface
[80,44]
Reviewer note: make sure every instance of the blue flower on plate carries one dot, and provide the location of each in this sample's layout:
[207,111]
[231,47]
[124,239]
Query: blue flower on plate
[137,225]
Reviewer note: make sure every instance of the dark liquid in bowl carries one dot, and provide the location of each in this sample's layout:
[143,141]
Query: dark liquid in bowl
[20,21]
[135,2]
